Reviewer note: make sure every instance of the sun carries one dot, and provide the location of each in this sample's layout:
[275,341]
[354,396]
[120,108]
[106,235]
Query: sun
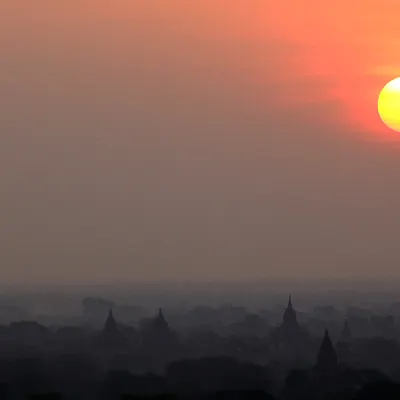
[389,104]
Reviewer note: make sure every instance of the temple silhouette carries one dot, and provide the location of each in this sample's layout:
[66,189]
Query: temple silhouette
[147,356]
[327,360]
[110,326]
[291,342]
[290,330]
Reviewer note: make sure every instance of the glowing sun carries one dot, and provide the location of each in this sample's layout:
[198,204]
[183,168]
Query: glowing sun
[389,104]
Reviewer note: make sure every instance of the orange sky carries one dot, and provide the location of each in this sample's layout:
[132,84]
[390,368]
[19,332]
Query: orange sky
[354,44]
[188,138]
[352,47]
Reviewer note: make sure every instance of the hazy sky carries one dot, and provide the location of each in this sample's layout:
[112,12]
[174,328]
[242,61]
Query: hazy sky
[197,139]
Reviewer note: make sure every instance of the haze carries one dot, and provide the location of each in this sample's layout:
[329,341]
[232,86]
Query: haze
[195,140]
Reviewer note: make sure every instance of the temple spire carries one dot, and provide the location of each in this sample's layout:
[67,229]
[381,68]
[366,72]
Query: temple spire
[111,324]
[160,325]
[327,358]
[289,317]
[290,302]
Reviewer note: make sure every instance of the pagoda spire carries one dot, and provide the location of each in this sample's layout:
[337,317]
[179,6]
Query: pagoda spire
[289,317]
[290,302]
[111,324]
[327,357]
[159,323]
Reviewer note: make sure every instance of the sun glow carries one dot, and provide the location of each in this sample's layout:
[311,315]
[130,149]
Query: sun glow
[389,104]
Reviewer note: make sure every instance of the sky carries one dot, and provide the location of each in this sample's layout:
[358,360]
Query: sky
[197,140]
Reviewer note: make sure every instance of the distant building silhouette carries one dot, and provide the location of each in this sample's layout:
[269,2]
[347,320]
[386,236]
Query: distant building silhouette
[290,342]
[290,318]
[289,332]
[111,338]
[160,325]
[327,358]
[159,343]
[110,327]
[94,309]
[157,333]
